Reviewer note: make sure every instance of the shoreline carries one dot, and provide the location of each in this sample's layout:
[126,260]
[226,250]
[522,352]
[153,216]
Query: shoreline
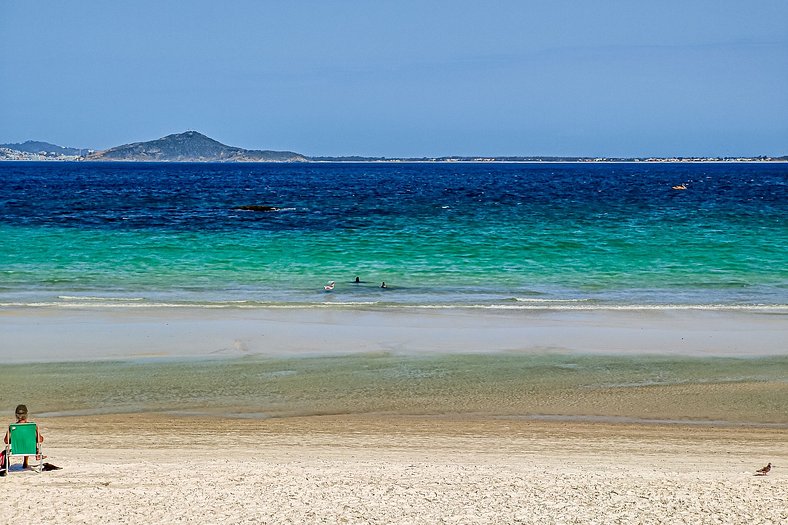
[446,422]
[647,366]
[644,160]
[552,388]
[545,306]
[321,430]
[101,333]
[400,416]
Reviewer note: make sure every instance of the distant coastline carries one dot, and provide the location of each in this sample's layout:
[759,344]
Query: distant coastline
[192,146]
[17,156]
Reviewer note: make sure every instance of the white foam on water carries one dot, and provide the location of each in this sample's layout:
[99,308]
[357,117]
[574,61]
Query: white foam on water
[557,305]
[91,298]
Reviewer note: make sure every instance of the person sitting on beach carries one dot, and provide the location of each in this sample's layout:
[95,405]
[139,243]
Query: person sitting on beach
[21,417]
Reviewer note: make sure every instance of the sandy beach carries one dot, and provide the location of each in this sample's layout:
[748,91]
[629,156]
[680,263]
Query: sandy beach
[341,469]
[333,416]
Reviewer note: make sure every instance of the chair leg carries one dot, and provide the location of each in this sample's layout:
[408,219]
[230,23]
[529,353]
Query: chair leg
[40,458]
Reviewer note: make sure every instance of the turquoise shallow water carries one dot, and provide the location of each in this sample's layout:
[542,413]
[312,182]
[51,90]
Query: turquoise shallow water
[508,235]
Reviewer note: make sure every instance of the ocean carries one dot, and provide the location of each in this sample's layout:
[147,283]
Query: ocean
[135,287]
[440,235]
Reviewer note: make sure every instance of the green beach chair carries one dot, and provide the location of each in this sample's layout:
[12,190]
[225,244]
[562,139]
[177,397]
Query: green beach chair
[22,442]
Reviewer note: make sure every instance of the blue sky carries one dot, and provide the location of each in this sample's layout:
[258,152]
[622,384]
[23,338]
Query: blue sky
[402,78]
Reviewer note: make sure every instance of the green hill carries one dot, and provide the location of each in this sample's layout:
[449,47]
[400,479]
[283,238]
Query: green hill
[191,146]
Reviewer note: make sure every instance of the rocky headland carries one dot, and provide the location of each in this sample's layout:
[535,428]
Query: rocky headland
[191,146]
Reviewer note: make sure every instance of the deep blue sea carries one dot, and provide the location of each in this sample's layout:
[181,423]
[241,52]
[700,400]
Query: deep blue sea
[440,235]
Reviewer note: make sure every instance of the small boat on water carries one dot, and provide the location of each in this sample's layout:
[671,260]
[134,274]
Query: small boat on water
[680,187]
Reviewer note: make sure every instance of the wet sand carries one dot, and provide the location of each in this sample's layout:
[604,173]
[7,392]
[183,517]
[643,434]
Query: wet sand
[62,334]
[539,386]
[333,416]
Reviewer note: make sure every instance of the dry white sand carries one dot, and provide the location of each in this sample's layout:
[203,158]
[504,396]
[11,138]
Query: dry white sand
[144,469]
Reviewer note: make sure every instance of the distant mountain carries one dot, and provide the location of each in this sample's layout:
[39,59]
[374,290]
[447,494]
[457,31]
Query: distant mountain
[35,146]
[191,147]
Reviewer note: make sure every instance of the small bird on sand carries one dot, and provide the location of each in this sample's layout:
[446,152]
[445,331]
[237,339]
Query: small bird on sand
[763,471]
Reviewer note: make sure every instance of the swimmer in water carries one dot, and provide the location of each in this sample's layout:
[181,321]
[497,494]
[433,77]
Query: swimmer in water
[383,284]
[329,286]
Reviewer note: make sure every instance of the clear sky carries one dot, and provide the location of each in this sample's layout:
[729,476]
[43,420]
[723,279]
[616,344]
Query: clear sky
[401,78]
